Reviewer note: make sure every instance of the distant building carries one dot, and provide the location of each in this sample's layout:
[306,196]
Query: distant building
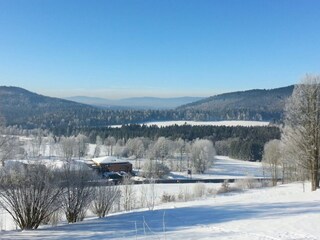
[111,164]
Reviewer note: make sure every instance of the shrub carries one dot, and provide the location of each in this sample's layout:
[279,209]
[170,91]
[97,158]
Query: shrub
[166,197]
[212,192]
[184,194]
[248,183]
[154,169]
[199,190]
[225,187]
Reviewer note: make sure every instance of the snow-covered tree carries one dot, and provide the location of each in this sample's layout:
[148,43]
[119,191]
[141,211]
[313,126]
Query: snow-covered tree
[110,142]
[97,149]
[121,150]
[67,147]
[272,159]
[9,147]
[201,153]
[161,149]
[154,169]
[136,148]
[301,134]
[181,148]
[81,145]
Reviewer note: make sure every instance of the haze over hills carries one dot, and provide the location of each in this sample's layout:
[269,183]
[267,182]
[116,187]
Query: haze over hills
[30,110]
[140,103]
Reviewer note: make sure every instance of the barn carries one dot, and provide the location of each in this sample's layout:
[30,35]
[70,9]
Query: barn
[112,164]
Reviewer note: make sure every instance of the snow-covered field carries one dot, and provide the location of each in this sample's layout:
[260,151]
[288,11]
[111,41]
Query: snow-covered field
[228,168]
[205,123]
[284,212]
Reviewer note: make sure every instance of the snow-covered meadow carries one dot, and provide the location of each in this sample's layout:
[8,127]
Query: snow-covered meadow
[205,123]
[228,168]
[283,212]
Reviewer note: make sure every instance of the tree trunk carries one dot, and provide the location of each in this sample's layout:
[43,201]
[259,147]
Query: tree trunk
[314,177]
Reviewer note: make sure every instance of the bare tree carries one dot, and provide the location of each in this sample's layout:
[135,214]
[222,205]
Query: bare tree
[97,149]
[154,169]
[9,147]
[181,147]
[29,193]
[301,135]
[202,153]
[128,194]
[51,145]
[148,195]
[136,148]
[105,197]
[78,193]
[81,145]
[120,150]
[67,147]
[110,142]
[272,159]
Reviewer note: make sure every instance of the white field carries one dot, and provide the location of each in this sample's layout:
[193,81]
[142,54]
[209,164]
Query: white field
[204,123]
[284,212]
[225,167]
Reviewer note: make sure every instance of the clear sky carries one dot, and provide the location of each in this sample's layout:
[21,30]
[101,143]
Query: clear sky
[118,48]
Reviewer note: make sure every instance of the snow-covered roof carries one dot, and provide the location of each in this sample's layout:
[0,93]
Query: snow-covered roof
[108,159]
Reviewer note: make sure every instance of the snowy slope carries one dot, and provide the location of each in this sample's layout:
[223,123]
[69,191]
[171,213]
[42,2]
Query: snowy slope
[284,212]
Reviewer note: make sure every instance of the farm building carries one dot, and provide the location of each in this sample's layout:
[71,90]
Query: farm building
[112,164]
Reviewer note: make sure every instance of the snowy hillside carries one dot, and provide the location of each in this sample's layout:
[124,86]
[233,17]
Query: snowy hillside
[284,212]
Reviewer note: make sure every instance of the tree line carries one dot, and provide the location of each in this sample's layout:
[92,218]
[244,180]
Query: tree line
[244,143]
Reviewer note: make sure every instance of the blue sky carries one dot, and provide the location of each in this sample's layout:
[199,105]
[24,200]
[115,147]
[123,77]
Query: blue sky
[163,48]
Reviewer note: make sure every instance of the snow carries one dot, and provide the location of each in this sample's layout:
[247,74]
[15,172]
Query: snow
[204,123]
[282,212]
[225,167]
[108,159]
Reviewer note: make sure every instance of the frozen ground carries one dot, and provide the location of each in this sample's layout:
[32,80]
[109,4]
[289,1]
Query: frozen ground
[284,212]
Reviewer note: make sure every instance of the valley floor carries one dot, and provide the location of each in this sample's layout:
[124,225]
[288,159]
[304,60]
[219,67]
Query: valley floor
[284,212]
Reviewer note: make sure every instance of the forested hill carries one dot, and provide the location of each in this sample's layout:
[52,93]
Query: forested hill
[19,106]
[30,110]
[246,105]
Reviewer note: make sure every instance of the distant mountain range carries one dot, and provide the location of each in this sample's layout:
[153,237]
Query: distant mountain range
[30,110]
[140,103]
